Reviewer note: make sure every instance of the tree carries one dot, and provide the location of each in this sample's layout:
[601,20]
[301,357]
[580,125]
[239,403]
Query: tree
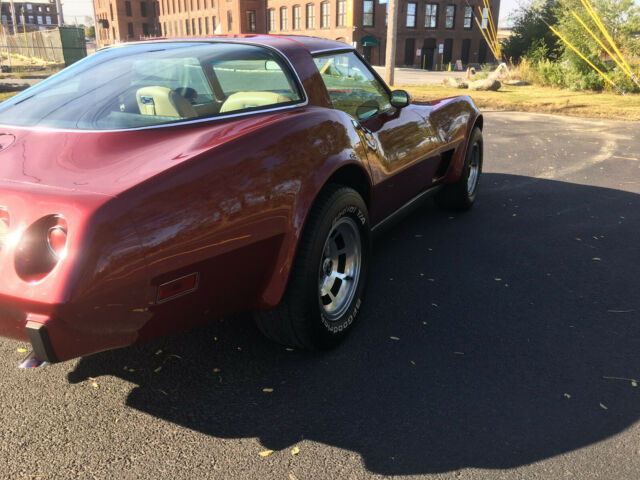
[531,32]
[621,19]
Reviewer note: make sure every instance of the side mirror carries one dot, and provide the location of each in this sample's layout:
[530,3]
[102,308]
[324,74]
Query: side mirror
[400,98]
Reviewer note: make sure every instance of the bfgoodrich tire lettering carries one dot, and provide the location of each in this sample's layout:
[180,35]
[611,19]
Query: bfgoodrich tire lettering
[327,281]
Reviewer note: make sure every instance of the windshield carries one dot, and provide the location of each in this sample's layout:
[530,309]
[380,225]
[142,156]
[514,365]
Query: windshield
[156,83]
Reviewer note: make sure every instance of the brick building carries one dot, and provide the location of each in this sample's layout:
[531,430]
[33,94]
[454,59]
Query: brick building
[431,33]
[125,20]
[34,15]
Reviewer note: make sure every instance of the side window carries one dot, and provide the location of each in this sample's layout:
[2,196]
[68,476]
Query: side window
[351,85]
[254,82]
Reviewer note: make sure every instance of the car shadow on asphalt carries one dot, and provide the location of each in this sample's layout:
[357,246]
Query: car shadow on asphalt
[485,341]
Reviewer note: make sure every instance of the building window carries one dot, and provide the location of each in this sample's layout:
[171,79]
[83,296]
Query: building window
[229,20]
[411,14]
[325,15]
[284,18]
[145,29]
[130,29]
[485,18]
[143,9]
[449,21]
[111,10]
[207,25]
[311,16]
[468,17]
[48,19]
[214,23]
[193,27]
[271,20]
[296,17]
[39,19]
[127,8]
[199,26]
[431,15]
[341,13]
[251,20]
[367,13]
[187,26]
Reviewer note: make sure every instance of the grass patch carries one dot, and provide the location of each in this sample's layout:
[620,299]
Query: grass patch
[541,100]
[7,95]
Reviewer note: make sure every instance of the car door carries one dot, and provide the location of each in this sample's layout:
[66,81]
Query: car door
[400,142]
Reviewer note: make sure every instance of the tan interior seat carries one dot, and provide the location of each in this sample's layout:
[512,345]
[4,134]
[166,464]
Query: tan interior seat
[164,102]
[242,100]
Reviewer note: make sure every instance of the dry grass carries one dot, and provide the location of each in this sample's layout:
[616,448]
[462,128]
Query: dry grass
[542,100]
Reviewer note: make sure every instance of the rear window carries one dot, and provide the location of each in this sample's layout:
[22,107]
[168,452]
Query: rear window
[156,83]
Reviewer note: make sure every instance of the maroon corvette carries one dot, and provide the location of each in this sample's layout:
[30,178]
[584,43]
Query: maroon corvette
[154,185]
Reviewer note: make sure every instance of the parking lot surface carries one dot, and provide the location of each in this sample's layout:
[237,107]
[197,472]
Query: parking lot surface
[501,343]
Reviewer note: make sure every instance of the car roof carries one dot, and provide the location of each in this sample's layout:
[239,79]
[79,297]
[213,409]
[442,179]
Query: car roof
[311,44]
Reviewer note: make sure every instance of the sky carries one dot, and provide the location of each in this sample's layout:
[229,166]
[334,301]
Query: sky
[77,9]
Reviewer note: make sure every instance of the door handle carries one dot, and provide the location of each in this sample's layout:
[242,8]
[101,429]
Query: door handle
[366,133]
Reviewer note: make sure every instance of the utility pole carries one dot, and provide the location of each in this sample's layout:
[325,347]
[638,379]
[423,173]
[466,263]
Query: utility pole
[95,25]
[60,16]
[13,17]
[390,57]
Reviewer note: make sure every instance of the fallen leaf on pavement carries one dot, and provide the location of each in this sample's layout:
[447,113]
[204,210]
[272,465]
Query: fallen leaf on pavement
[295,451]
[603,406]
[394,338]
[267,390]
[22,350]
[567,395]
[265,453]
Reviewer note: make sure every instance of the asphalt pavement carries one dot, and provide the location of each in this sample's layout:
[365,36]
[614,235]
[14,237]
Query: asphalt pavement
[514,352]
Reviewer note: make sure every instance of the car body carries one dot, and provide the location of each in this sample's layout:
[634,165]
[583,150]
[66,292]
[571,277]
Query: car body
[122,222]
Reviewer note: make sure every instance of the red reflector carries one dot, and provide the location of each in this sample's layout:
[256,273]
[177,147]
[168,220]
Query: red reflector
[177,287]
[57,239]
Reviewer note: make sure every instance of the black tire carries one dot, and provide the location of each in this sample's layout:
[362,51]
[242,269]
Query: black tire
[303,318]
[458,196]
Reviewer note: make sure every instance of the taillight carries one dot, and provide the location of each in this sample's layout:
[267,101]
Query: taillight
[41,247]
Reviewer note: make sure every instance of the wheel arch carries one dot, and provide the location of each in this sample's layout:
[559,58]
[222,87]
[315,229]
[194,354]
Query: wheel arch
[353,175]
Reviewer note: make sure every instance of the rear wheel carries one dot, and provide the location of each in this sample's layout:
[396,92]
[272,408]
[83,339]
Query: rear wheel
[327,281]
[462,194]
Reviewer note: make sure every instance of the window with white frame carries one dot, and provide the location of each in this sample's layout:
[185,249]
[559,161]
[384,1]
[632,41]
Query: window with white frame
[450,16]
[325,15]
[411,14]
[431,15]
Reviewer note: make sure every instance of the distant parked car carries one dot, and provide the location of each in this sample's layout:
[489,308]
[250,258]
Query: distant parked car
[154,185]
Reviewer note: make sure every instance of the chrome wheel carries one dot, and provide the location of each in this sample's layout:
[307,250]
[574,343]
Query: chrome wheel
[474,169]
[339,269]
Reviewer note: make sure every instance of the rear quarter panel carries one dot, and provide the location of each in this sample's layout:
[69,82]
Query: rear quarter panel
[233,213]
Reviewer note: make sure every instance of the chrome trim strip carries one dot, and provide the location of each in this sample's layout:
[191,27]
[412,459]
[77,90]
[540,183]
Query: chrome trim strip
[346,48]
[303,102]
[406,207]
